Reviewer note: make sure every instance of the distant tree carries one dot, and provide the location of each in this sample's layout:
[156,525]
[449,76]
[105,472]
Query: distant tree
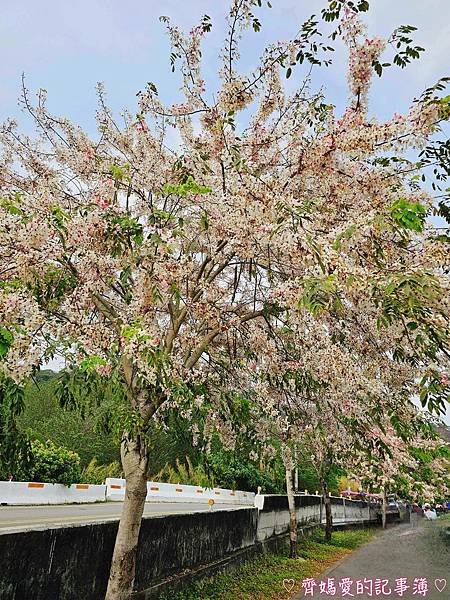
[78,428]
[232,470]
[50,464]
[14,444]
[185,472]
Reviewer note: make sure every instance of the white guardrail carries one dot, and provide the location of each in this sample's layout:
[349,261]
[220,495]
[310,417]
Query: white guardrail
[29,493]
[171,492]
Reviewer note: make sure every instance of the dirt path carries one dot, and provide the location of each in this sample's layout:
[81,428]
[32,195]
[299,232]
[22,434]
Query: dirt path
[409,551]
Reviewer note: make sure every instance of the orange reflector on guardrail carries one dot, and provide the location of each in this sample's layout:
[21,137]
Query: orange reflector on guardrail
[178,490]
[199,491]
[154,489]
[82,486]
[217,493]
[116,487]
[36,485]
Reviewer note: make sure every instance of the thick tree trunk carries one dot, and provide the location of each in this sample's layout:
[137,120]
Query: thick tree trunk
[328,514]
[123,566]
[292,514]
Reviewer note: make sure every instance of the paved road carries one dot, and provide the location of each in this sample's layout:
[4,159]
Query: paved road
[23,518]
[410,551]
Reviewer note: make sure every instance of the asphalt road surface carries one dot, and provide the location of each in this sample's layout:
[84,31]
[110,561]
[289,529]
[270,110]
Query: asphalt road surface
[23,518]
[415,550]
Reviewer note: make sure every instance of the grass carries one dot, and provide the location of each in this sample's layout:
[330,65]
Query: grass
[262,578]
[438,539]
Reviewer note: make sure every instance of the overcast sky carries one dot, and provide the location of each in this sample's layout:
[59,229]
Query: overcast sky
[66,47]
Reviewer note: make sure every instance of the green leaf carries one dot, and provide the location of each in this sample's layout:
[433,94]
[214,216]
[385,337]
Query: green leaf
[6,340]
[204,221]
[189,186]
[408,215]
[256,24]
[91,362]
[345,235]
[10,207]
[319,293]
[378,67]
[117,172]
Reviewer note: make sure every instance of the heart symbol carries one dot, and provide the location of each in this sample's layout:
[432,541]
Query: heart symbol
[288,584]
[440,584]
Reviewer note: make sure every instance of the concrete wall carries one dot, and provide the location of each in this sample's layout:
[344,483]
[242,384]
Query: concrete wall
[173,544]
[274,515]
[72,563]
[67,563]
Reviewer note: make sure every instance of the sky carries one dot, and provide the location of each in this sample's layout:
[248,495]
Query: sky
[67,47]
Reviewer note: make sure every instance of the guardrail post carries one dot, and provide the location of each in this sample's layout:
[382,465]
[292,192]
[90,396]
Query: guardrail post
[344,508]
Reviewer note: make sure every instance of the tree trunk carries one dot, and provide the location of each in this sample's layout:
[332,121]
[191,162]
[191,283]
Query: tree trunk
[123,566]
[292,514]
[328,514]
[295,472]
[383,510]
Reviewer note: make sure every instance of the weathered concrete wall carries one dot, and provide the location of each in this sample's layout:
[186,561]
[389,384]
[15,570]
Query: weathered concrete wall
[170,545]
[67,563]
[72,563]
[274,515]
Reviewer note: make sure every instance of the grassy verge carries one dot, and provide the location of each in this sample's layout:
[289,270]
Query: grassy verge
[262,578]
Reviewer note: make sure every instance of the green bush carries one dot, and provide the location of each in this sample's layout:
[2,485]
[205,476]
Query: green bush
[232,472]
[96,474]
[184,474]
[51,464]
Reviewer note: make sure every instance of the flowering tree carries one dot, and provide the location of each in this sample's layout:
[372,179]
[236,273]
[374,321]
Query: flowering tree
[402,452]
[144,262]
[316,383]
[339,395]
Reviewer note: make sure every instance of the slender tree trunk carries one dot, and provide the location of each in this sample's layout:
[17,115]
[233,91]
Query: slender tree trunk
[328,513]
[123,566]
[292,513]
[295,472]
[383,510]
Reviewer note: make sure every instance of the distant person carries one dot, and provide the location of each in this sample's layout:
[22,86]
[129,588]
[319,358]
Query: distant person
[430,514]
[416,514]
